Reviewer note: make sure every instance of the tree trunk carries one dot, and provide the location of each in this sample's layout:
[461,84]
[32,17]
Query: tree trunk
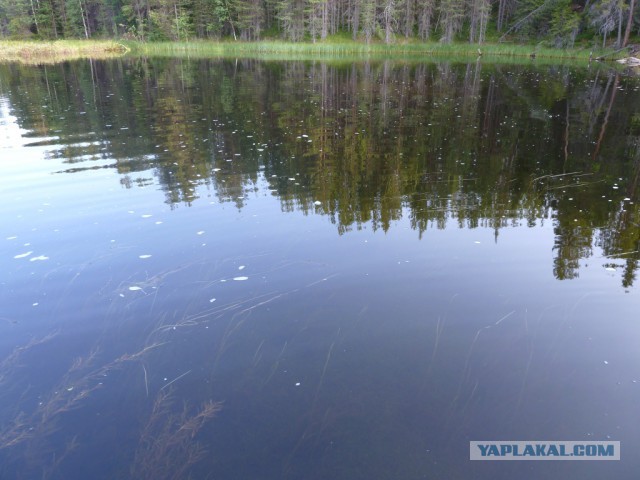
[388,19]
[35,17]
[54,20]
[501,8]
[619,41]
[175,10]
[627,32]
[84,20]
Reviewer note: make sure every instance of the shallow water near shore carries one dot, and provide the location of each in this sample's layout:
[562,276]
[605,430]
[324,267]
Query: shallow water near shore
[242,269]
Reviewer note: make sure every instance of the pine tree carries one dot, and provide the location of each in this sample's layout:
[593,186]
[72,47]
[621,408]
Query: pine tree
[451,17]
[426,9]
[368,18]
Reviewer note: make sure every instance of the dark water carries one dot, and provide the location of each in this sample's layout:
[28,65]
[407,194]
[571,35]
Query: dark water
[246,270]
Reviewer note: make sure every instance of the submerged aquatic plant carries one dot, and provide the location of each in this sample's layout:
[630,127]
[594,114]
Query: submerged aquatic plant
[33,437]
[167,449]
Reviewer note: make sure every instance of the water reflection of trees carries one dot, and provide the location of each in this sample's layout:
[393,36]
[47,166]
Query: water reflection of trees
[444,144]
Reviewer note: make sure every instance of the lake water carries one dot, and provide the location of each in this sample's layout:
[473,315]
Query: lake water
[234,269]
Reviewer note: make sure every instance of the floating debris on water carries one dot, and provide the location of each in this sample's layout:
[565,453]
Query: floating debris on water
[145,256]
[241,267]
[135,288]
[317,203]
[211,300]
[240,279]
[22,255]
[38,258]
[201,232]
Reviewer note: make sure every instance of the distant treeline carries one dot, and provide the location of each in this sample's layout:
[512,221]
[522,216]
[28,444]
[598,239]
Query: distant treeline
[560,23]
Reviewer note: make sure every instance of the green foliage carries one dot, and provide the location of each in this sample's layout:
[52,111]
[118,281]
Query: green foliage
[606,16]
[19,26]
[564,27]
[558,23]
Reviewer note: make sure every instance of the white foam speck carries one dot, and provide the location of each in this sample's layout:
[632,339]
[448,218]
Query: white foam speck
[135,289]
[12,238]
[159,222]
[201,232]
[35,304]
[240,279]
[22,255]
[146,215]
[241,267]
[211,300]
[145,256]
[39,257]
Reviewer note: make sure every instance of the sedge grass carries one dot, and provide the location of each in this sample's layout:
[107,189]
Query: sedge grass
[275,50]
[45,52]
[338,48]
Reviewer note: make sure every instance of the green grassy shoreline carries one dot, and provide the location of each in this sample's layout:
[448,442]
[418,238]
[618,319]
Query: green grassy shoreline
[52,52]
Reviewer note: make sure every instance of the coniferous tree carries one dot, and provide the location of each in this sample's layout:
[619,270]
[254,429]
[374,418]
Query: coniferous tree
[451,18]
[556,22]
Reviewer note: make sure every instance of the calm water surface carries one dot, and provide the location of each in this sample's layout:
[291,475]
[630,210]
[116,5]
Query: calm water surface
[252,270]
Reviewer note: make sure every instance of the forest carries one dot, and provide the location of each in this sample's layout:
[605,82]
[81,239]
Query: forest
[556,23]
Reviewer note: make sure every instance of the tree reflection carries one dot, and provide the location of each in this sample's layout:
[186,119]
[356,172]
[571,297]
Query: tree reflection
[443,144]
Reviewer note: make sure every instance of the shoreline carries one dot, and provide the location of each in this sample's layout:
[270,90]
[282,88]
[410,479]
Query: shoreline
[46,52]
